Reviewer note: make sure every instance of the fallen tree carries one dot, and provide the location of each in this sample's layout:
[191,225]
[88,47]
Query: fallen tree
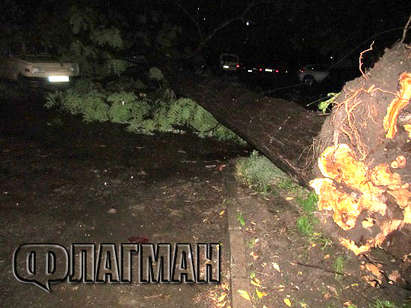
[358,159]
[282,130]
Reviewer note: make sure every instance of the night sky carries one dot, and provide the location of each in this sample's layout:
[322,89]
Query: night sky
[292,31]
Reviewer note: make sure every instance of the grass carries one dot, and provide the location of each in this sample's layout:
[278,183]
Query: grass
[288,185]
[259,172]
[320,239]
[388,304]
[378,304]
[305,226]
[339,266]
[309,204]
[306,222]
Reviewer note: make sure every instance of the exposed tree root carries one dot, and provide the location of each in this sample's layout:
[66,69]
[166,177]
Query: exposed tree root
[364,183]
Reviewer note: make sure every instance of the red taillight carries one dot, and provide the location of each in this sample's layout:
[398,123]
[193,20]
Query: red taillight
[237,66]
[302,70]
[260,69]
[276,71]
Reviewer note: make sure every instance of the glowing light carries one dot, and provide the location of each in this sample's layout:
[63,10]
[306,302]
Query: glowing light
[58,78]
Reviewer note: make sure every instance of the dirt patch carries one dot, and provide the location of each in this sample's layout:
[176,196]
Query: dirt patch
[63,181]
[286,269]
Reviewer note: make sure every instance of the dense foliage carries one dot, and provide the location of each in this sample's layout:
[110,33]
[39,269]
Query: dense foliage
[141,111]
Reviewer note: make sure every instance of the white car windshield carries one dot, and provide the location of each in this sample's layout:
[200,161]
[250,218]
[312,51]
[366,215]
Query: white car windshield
[39,58]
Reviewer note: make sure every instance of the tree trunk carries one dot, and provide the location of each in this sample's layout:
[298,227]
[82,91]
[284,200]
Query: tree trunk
[282,130]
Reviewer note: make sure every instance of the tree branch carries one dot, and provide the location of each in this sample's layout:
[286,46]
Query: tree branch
[228,22]
[205,40]
[191,17]
[404,32]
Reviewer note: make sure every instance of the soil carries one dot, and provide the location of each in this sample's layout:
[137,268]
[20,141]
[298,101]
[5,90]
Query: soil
[367,112]
[64,181]
[286,267]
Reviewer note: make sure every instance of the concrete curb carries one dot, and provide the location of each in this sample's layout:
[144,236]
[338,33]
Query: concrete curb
[238,261]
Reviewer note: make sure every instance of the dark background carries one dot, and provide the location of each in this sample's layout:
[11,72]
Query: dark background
[263,31]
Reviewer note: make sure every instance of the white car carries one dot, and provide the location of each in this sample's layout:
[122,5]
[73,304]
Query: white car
[43,68]
[229,62]
[312,73]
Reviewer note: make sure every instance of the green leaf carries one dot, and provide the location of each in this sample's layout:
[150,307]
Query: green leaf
[240,219]
[322,106]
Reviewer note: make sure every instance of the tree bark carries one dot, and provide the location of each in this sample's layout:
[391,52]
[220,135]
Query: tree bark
[282,130]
